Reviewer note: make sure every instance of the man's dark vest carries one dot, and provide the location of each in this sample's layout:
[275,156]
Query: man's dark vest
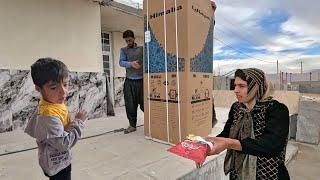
[133,54]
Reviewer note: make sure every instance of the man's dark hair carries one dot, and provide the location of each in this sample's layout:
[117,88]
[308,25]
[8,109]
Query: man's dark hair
[128,34]
[48,69]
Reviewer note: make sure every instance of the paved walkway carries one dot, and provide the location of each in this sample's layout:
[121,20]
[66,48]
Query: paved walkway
[306,164]
[105,154]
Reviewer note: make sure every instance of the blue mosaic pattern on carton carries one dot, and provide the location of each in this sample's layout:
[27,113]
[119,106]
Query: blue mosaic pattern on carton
[203,61]
[157,57]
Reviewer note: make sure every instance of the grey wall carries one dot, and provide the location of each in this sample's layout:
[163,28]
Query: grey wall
[221,83]
[308,124]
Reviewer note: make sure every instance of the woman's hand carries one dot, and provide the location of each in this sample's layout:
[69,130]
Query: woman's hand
[220,144]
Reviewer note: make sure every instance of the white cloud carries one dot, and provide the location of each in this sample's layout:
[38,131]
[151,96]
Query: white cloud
[239,18]
[302,28]
[283,42]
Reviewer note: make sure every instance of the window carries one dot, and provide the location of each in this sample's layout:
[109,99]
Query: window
[106,52]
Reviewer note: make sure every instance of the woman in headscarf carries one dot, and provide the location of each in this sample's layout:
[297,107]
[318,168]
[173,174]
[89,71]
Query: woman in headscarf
[256,132]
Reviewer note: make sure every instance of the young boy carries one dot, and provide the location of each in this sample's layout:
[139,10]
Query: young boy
[51,126]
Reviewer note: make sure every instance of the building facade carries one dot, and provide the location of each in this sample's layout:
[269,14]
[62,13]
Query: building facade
[85,34]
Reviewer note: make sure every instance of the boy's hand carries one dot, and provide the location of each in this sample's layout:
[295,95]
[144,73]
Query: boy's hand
[82,115]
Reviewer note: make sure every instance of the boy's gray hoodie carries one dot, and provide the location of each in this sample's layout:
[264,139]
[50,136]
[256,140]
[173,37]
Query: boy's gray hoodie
[53,141]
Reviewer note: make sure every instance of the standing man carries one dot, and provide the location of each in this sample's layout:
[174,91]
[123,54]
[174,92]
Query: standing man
[131,58]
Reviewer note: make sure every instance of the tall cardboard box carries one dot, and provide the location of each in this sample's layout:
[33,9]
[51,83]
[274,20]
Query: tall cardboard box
[178,103]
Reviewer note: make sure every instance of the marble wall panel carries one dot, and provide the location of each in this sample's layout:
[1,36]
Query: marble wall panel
[25,100]
[19,99]
[72,100]
[5,120]
[4,78]
[118,91]
[5,112]
[92,94]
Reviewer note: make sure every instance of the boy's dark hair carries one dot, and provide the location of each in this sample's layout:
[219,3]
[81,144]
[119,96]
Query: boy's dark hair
[48,69]
[239,73]
[128,34]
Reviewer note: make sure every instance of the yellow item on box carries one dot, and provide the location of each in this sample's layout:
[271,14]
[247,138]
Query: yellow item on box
[191,137]
[199,139]
[58,110]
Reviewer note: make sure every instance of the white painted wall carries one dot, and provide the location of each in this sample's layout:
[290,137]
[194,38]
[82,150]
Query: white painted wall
[69,30]
[118,43]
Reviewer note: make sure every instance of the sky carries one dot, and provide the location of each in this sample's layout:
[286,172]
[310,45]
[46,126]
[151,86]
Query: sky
[257,33]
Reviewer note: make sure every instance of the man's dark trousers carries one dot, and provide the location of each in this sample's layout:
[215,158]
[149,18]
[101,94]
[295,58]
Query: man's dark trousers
[64,174]
[133,96]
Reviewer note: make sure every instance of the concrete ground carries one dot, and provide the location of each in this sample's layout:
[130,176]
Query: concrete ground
[306,164]
[106,154]
[103,154]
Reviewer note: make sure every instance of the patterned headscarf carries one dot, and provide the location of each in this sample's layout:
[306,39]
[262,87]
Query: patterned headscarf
[257,84]
[241,164]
